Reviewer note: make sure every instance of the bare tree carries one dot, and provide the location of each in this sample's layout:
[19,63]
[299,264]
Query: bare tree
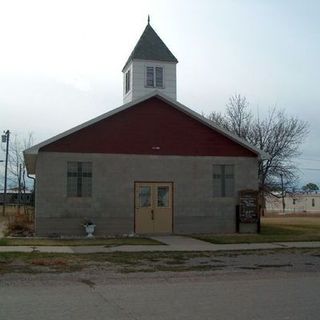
[239,115]
[16,164]
[237,118]
[277,134]
[219,119]
[280,136]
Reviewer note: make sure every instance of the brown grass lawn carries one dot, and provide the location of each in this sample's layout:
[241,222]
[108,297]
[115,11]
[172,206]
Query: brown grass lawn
[11,210]
[107,242]
[293,221]
[275,229]
[294,226]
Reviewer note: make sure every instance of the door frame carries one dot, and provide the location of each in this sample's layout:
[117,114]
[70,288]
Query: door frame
[134,201]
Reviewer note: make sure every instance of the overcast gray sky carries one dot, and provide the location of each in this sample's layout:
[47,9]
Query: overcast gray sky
[61,61]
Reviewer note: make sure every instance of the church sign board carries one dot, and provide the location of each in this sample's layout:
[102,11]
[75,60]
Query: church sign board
[249,209]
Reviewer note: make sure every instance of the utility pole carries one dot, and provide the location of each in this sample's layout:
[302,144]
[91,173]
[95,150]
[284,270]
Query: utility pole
[5,139]
[282,191]
[19,188]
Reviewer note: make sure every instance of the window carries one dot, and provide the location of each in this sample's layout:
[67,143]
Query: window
[293,201]
[150,77]
[79,179]
[163,197]
[154,77]
[313,204]
[128,77]
[159,77]
[223,180]
[144,197]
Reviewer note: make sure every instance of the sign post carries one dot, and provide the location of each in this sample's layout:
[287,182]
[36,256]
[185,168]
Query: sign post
[249,208]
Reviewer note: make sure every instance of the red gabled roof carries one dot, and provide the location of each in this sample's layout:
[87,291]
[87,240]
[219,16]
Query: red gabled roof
[155,125]
[150,127]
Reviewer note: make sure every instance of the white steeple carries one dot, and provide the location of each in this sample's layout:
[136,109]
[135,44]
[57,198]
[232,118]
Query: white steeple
[151,66]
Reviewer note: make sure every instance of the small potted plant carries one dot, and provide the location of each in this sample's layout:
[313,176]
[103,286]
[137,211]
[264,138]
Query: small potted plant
[89,227]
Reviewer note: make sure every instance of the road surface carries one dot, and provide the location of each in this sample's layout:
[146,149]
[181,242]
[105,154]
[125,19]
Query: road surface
[203,295]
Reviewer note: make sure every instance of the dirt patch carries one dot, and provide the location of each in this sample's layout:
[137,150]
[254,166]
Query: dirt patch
[49,262]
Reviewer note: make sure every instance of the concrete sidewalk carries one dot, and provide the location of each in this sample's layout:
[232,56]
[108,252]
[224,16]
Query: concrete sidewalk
[171,243]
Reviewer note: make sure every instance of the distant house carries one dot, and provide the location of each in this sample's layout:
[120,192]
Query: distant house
[13,197]
[150,166]
[294,203]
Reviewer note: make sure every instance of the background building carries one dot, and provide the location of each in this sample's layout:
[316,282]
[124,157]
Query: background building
[294,203]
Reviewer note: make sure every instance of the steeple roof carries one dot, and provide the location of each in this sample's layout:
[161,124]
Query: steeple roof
[151,47]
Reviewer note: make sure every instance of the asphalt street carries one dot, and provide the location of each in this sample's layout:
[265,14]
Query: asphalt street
[247,295]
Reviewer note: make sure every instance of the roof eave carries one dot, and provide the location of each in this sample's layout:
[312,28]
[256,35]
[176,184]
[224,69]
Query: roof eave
[30,160]
[137,59]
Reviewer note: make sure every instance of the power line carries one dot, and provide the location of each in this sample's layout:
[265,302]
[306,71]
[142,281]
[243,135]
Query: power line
[313,169]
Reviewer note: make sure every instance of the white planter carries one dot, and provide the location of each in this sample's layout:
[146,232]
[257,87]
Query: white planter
[89,230]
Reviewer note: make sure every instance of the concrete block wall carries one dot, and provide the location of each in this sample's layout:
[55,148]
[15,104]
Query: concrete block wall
[111,206]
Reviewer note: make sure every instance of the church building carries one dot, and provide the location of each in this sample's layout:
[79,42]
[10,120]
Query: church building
[150,166]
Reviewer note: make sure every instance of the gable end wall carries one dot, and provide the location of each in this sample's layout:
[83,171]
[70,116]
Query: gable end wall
[151,127]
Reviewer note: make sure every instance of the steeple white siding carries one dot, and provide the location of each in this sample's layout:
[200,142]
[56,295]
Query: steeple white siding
[138,87]
[150,53]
